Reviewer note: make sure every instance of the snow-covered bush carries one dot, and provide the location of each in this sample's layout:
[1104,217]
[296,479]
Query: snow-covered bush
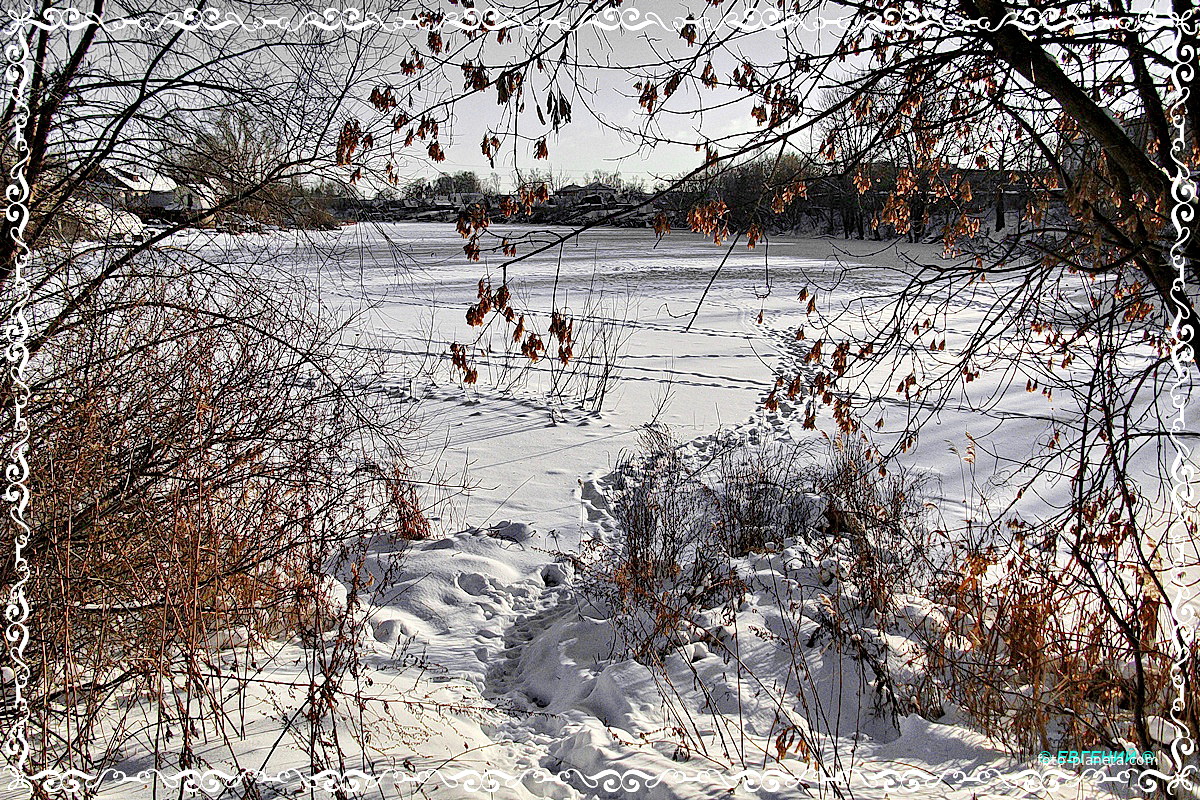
[684,525]
[794,566]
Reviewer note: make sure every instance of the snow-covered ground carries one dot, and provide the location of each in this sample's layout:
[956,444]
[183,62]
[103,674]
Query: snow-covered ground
[489,671]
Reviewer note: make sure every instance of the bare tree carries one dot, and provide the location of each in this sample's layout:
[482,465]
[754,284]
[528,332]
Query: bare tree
[205,450]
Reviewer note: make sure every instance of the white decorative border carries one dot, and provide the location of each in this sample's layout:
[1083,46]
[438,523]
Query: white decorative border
[608,781]
[1184,477]
[15,747]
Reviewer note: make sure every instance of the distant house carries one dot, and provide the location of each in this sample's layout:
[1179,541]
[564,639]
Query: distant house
[148,193]
[126,187]
[593,194]
[465,199]
[569,194]
[180,201]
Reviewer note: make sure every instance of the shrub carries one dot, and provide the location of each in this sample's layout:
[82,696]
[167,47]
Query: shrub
[882,517]
[696,534]
[681,522]
[1035,660]
[667,561]
[762,494]
[205,454]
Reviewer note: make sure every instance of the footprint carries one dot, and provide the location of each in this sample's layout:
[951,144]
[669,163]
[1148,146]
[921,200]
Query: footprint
[473,584]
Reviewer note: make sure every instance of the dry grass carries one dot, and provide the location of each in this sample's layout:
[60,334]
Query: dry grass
[205,455]
[685,524]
